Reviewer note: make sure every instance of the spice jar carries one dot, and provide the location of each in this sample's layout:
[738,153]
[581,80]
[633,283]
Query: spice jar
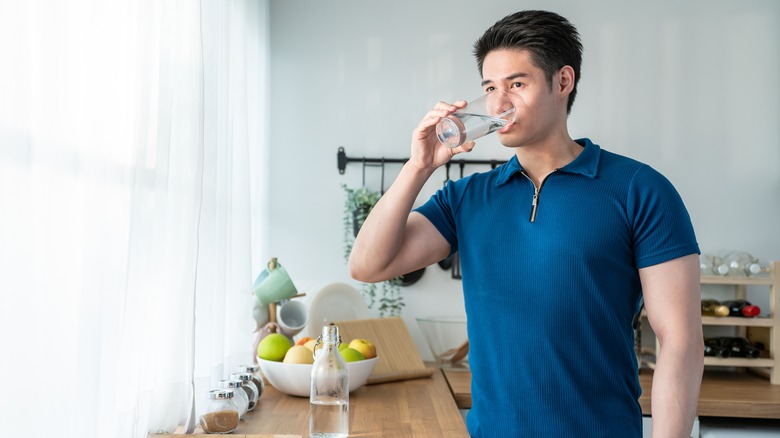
[221,413]
[239,395]
[249,386]
[257,377]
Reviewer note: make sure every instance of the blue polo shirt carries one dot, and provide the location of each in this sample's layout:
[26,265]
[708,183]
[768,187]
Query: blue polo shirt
[551,291]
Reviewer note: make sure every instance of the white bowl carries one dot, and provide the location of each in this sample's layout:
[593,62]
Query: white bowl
[295,378]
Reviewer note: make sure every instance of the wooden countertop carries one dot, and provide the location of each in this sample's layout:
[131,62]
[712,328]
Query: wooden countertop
[723,394]
[412,408]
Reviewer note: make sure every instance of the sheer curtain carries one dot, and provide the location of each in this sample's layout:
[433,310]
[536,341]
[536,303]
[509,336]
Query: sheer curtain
[132,137]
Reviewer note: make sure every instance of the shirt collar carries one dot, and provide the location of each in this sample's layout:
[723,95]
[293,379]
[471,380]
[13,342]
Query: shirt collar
[586,163]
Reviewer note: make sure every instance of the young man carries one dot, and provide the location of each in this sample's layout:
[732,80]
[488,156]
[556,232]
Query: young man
[559,247]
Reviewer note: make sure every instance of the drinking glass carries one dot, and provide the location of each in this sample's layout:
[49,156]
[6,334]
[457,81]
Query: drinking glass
[488,113]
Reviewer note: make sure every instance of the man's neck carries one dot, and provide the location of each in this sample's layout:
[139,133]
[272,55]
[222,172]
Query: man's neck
[542,158]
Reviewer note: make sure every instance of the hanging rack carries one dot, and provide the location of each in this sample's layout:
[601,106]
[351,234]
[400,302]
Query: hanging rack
[342,160]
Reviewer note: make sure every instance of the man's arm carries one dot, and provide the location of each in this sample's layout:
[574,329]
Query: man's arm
[672,299]
[393,241]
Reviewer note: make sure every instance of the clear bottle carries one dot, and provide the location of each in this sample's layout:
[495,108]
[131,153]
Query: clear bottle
[712,264]
[252,392]
[220,414]
[239,395]
[329,397]
[743,264]
[257,377]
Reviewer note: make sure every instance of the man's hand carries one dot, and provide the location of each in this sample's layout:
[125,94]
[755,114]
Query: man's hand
[427,152]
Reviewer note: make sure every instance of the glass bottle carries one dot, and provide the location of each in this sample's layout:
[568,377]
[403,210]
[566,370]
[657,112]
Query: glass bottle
[239,395]
[711,264]
[220,414]
[742,264]
[248,386]
[711,307]
[740,347]
[714,347]
[257,377]
[742,308]
[329,397]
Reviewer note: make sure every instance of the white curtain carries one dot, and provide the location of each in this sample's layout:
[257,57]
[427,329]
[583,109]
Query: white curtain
[132,139]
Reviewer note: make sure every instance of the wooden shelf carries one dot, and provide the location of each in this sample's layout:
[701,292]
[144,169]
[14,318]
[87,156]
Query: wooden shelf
[764,329]
[737,321]
[739,362]
[761,280]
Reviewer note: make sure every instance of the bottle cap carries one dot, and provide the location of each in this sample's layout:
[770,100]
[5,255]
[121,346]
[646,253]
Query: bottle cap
[249,368]
[221,394]
[722,269]
[226,384]
[751,311]
[244,377]
[721,310]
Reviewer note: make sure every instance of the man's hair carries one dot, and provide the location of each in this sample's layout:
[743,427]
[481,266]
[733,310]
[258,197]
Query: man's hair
[552,41]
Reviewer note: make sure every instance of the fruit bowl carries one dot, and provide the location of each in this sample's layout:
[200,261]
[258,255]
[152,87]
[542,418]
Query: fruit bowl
[295,378]
[447,338]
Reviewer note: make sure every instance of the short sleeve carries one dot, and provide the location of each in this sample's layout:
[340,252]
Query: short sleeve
[439,211]
[662,228]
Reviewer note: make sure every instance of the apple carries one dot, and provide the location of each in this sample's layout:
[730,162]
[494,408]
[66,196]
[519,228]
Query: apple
[303,340]
[273,347]
[310,344]
[364,346]
[298,354]
[352,355]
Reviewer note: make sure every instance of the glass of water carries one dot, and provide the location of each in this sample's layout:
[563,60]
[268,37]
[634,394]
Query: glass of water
[488,113]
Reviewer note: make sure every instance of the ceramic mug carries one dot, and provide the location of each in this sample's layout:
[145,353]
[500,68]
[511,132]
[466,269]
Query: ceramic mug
[273,284]
[292,317]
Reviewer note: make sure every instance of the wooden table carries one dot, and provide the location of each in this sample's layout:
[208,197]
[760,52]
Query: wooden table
[723,394]
[411,408]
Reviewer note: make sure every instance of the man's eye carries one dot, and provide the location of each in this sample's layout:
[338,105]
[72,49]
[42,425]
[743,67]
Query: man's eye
[489,89]
[517,85]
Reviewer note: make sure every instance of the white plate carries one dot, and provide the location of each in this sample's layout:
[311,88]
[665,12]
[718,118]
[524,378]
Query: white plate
[335,302]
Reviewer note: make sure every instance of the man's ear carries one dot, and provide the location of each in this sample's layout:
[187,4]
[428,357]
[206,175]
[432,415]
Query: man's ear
[566,80]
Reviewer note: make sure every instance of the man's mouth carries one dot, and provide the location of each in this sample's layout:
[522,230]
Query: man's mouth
[506,127]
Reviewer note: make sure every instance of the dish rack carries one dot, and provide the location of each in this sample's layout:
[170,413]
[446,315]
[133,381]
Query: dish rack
[760,329]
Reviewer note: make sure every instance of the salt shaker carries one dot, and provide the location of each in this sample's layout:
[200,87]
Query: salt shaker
[221,413]
[257,377]
[239,395]
[251,389]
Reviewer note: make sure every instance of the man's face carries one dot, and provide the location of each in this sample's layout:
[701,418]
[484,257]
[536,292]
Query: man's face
[539,109]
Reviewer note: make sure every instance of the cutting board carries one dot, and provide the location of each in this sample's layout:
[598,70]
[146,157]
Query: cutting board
[398,358]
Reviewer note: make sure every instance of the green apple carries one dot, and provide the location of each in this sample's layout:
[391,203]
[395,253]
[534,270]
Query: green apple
[273,347]
[352,355]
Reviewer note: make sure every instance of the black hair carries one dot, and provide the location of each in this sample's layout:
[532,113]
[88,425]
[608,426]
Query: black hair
[552,41]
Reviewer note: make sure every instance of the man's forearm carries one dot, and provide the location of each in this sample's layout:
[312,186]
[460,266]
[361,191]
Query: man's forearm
[676,384]
[382,234]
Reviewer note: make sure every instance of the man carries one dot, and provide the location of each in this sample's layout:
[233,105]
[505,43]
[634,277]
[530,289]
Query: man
[559,247]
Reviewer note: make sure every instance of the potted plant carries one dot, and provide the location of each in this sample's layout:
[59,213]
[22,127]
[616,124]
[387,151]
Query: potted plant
[357,204]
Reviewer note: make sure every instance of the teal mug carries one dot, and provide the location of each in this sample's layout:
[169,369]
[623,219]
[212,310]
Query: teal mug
[273,284]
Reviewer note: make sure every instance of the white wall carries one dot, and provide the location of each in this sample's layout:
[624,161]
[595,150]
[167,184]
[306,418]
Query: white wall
[689,87]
